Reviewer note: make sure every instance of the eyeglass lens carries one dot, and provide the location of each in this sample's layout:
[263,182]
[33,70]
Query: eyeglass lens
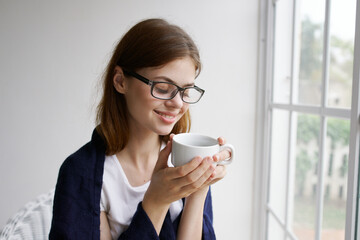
[168,91]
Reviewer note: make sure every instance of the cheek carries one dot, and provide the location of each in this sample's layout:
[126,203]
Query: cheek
[139,94]
[184,109]
[138,101]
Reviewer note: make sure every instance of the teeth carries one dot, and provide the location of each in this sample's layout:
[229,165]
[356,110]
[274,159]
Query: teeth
[166,116]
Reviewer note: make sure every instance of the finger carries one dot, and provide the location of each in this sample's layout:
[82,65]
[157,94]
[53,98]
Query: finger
[218,174]
[220,171]
[179,172]
[224,154]
[163,157]
[210,180]
[213,181]
[221,140]
[172,136]
[203,181]
[215,176]
[197,177]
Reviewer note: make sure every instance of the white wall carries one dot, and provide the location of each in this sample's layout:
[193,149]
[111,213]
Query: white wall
[52,54]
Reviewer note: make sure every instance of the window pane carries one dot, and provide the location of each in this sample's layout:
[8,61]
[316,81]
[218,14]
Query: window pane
[279,156]
[275,231]
[305,189]
[335,179]
[312,15]
[342,29]
[282,51]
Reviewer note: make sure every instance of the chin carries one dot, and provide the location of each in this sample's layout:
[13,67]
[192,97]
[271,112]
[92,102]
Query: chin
[164,131]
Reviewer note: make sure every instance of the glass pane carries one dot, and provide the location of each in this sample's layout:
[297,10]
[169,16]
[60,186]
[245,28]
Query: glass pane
[282,51]
[342,29]
[311,25]
[275,231]
[279,162]
[305,189]
[335,179]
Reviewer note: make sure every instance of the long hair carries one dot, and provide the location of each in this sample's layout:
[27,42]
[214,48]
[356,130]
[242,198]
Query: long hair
[150,43]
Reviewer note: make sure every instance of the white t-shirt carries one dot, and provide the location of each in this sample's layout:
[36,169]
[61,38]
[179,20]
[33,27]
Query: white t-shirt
[120,200]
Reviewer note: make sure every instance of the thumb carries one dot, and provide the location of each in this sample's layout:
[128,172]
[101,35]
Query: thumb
[163,157]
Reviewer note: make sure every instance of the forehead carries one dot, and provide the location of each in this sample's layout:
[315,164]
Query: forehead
[181,71]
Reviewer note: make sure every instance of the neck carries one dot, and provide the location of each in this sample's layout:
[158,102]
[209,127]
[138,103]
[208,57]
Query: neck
[142,150]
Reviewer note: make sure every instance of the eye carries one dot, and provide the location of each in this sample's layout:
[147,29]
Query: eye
[163,89]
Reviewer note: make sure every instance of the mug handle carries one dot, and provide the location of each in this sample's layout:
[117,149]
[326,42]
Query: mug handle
[228,160]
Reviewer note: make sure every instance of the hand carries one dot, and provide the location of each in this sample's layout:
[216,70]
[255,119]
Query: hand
[220,170]
[170,184]
[218,174]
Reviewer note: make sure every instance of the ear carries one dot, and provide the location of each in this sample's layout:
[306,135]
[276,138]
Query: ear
[119,81]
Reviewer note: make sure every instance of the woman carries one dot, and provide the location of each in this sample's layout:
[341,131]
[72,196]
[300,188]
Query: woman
[119,185]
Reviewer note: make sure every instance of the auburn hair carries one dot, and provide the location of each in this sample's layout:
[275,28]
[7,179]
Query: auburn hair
[150,43]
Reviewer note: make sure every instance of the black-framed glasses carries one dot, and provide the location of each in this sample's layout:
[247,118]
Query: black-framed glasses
[168,90]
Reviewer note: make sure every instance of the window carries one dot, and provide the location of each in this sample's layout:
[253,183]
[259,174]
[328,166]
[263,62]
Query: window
[308,135]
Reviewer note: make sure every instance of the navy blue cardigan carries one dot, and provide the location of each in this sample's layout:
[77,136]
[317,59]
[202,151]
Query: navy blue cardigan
[76,211]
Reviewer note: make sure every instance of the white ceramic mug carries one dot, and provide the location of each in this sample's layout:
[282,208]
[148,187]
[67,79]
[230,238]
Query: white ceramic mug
[186,146]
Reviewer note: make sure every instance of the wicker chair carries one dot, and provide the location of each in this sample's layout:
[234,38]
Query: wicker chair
[32,221]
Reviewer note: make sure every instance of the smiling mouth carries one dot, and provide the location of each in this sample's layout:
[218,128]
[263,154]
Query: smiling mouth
[167,116]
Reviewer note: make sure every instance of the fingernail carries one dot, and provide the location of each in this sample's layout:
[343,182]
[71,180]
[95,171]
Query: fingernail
[213,175]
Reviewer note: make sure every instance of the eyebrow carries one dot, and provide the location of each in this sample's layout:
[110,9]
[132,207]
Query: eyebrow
[173,82]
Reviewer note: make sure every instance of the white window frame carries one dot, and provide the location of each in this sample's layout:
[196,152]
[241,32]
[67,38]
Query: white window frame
[263,127]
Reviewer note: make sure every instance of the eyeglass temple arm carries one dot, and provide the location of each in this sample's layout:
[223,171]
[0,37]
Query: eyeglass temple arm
[141,78]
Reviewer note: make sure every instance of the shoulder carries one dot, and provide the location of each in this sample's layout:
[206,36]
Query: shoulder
[78,162]
[82,169]
[86,158]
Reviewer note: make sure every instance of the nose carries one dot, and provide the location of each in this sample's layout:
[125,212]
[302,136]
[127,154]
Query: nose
[176,102]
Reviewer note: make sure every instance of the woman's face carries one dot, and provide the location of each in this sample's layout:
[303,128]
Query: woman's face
[147,113]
